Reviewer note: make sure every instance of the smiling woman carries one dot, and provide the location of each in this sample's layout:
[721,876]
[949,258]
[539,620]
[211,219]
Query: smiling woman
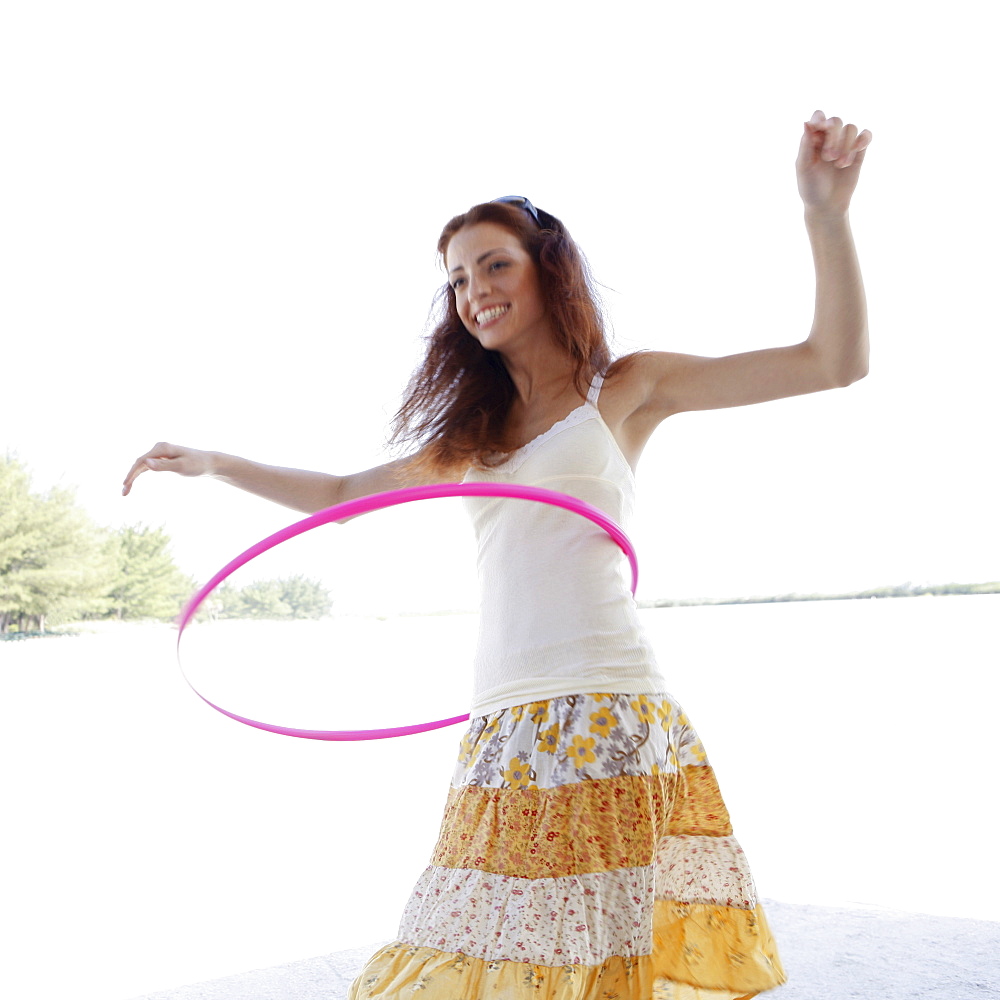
[585,850]
[499,259]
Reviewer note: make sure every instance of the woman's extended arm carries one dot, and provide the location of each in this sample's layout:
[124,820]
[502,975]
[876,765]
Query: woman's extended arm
[836,350]
[296,488]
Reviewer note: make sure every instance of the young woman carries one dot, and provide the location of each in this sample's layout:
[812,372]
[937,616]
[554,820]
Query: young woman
[585,850]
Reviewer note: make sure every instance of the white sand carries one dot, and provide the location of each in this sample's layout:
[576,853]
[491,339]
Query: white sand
[828,953]
[154,843]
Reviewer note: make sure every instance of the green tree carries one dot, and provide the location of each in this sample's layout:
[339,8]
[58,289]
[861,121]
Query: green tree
[147,583]
[226,601]
[20,534]
[291,598]
[52,567]
[305,598]
[263,599]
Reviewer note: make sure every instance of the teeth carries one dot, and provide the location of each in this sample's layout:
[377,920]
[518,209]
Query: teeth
[488,314]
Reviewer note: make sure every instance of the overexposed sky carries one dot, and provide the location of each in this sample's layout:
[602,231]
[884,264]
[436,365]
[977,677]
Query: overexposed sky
[218,228]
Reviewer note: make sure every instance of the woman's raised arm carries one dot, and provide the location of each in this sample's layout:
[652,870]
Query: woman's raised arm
[295,488]
[836,351]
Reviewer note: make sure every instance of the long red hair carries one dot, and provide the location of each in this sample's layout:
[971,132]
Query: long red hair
[456,403]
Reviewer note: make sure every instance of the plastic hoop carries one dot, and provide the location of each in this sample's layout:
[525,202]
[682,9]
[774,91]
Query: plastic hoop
[364,505]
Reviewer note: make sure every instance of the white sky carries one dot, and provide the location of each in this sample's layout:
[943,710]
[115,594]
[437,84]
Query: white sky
[219,220]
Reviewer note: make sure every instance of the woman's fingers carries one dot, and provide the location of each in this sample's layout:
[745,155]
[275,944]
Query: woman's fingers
[852,147]
[861,144]
[138,467]
[841,143]
[833,141]
[161,457]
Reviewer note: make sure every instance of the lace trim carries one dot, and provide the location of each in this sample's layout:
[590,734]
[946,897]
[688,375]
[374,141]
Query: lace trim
[585,411]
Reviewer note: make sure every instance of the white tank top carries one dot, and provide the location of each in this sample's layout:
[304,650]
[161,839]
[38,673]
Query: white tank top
[557,617]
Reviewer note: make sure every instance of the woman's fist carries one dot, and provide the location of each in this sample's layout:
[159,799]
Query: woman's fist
[829,162]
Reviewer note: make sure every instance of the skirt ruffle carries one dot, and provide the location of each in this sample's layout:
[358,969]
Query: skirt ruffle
[585,853]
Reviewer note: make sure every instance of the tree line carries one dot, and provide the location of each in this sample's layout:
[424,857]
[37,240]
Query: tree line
[896,590]
[58,566]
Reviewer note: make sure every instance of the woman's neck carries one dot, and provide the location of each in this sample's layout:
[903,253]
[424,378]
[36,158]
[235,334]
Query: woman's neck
[545,375]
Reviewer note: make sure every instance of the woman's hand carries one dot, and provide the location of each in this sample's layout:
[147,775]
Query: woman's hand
[829,163]
[163,457]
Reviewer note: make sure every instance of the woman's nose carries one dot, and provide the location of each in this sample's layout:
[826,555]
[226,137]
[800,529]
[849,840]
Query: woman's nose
[479,288]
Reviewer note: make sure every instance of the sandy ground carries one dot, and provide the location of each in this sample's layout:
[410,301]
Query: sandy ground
[154,843]
[828,953]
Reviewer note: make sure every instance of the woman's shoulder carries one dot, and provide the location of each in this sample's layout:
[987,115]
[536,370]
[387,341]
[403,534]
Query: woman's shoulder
[627,382]
[624,401]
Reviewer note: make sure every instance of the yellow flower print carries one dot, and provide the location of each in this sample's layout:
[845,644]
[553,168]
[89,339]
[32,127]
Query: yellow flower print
[582,751]
[532,978]
[466,751]
[601,697]
[517,712]
[645,709]
[603,723]
[470,750]
[517,774]
[697,751]
[539,712]
[666,714]
[548,742]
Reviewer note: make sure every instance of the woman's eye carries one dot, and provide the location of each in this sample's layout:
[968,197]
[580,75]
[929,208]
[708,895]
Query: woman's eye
[498,263]
[456,283]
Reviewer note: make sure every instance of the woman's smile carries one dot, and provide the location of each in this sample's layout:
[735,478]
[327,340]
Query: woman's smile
[487,317]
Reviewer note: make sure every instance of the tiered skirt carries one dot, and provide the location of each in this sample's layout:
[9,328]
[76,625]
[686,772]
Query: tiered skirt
[585,854]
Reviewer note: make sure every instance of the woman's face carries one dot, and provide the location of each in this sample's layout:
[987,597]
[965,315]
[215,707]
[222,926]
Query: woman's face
[497,291]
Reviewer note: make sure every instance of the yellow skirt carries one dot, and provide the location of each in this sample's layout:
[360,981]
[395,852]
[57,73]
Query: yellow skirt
[585,853]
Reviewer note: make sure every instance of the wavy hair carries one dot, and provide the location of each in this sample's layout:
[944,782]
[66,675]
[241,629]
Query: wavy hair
[457,401]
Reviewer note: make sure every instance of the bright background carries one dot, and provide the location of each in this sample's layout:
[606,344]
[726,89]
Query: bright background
[219,225]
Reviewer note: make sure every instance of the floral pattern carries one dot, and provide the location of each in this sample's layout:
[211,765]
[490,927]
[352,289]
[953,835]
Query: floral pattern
[721,945]
[583,738]
[704,870]
[579,919]
[585,854]
[591,826]
[389,976]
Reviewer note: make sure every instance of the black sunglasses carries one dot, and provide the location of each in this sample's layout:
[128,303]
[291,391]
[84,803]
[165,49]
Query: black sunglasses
[522,202]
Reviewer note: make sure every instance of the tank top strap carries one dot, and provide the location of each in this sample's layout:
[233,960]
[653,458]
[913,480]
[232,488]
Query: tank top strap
[595,389]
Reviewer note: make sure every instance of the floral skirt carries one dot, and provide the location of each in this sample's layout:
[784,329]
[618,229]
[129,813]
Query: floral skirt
[585,854]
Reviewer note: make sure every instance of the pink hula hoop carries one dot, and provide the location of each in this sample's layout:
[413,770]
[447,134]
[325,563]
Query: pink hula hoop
[364,505]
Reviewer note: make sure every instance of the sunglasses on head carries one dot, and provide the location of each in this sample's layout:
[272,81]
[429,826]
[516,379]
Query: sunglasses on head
[522,202]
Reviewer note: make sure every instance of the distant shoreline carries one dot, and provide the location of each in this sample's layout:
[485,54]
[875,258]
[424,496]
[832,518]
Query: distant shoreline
[901,590]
